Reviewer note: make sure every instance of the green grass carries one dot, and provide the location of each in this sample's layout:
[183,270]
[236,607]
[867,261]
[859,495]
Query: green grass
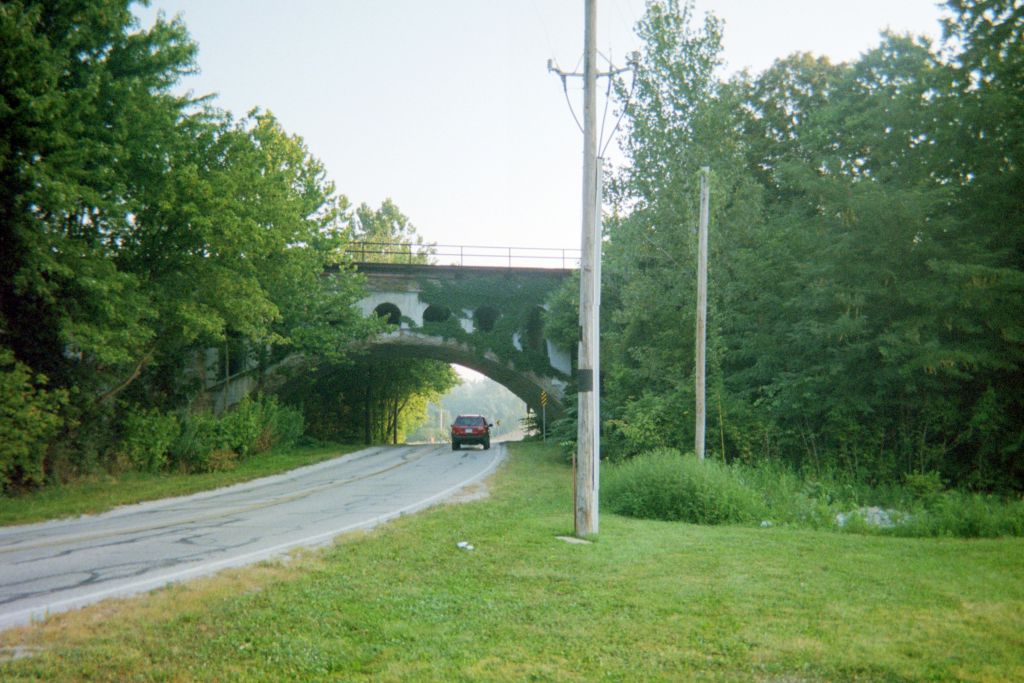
[650,600]
[105,492]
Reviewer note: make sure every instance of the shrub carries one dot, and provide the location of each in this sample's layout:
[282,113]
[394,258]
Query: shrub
[645,425]
[195,443]
[923,486]
[148,438]
[251,427]
[256,426]
[287,424]
[29,417]
[789,498]
[241,427]
[221,460]
[967,515]
[663,484]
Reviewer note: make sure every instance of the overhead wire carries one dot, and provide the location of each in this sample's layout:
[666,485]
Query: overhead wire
[565,89]
[622,114]
[612,73]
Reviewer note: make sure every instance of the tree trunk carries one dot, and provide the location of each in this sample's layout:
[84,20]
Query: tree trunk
[124,385]
[368,409]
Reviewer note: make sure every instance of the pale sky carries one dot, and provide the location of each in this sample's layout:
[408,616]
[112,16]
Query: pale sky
[446,106]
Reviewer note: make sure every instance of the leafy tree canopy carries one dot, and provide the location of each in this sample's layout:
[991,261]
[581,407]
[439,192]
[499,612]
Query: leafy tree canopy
[866,256]
[139,226]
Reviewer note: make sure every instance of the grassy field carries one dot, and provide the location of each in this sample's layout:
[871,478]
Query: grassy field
[105,492]
[648,601]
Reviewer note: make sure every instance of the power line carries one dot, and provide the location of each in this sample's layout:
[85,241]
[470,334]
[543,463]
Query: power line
[610,74]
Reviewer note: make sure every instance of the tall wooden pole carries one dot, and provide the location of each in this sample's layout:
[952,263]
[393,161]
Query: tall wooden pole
[587,444]
[702,310]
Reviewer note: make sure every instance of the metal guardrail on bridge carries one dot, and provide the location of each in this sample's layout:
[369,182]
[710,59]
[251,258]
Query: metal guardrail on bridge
[464,255]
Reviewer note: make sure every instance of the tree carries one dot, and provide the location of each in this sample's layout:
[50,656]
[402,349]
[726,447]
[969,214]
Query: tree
[371,398]
[679,119]
[140,226]
[75,122]
[865,295]
[386,235]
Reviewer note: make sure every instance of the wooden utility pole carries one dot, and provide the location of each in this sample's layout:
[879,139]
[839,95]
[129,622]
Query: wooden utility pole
[702,311]
[587,436]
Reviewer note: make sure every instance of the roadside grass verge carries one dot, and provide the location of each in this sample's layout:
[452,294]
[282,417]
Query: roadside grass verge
[650,600]
[103,492]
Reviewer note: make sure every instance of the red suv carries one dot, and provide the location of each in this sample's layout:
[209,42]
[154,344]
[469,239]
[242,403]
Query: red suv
[471,429]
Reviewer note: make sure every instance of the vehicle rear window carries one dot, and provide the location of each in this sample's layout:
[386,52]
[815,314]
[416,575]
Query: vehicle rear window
[466,421]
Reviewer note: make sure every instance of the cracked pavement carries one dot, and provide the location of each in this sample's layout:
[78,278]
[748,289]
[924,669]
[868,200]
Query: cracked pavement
[65,564]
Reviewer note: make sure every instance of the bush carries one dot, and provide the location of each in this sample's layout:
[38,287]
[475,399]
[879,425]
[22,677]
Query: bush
[251,427]
[966,515]
[790,498]
[287,424]
[148,438]
[240,428]
[646,424]
[29,417]
[923,486]
[256,426]
[663,484]
[221,460]
[195,443]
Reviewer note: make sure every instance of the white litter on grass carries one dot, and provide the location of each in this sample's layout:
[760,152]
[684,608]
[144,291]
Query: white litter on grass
[464,545]
[573,540]
[765,524]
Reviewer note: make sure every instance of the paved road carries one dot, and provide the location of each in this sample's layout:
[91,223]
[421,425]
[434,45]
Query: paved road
[57,566]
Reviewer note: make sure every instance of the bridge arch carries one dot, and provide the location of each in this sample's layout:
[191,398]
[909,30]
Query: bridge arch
[439,313]
[390,312]
[487,319]
[525,384]
[436,313]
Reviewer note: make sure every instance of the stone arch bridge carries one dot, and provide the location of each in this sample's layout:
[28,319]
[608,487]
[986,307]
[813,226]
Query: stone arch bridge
[486,318]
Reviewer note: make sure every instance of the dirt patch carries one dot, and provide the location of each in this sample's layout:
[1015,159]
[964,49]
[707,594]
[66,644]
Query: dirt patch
[472,492]
[10,654]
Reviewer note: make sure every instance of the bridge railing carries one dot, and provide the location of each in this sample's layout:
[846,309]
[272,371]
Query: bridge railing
[464,255]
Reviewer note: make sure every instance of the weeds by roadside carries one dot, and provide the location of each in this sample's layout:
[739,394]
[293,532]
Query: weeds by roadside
[665,484]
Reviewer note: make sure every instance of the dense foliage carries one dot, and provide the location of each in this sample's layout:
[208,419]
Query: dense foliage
[369,398]
[866,308]
[508,320]
[140,228]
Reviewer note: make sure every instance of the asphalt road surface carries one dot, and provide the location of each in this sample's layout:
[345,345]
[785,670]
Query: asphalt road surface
[62,565]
